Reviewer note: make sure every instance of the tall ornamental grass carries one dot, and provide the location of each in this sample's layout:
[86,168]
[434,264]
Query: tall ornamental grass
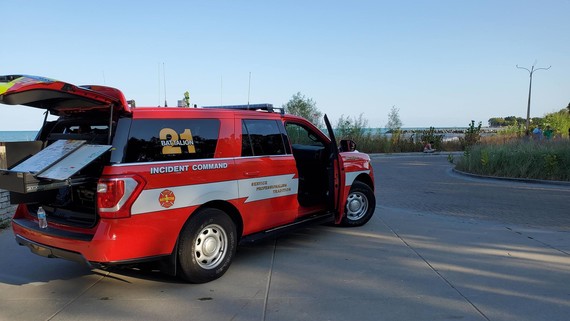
[548,160]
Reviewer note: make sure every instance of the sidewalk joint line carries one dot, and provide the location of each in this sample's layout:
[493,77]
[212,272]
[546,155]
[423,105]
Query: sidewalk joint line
[76,298]
[268,286]
[538,241]
[435,270]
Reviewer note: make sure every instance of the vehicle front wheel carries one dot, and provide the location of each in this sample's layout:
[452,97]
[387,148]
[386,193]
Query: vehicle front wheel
[360,205]
[206,246]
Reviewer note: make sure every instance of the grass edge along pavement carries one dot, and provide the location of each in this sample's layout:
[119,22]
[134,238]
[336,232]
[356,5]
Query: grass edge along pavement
[521,180]
[5,223]
[521,159]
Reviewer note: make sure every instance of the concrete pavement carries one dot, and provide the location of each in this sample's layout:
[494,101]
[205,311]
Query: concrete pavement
[440,247]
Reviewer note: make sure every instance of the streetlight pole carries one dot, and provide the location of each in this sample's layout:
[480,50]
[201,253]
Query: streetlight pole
[530,72]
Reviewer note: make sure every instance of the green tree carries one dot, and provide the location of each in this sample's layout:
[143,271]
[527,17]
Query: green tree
[305,107]
[511,120]
[394,123]
[351,128]
[537,121]
[472,136]
[187,98]
[497,122]
[559,121]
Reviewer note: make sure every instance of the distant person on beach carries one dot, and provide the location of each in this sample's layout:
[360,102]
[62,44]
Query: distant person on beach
[428,148]
[537,133]
[548,132]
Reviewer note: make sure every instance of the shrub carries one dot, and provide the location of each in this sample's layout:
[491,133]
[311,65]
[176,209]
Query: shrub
[520,159]
[472,136]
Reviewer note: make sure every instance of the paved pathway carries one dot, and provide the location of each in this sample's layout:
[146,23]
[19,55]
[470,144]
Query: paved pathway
[440,247]
[427,183]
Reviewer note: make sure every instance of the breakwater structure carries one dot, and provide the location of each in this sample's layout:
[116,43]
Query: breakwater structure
[447,133]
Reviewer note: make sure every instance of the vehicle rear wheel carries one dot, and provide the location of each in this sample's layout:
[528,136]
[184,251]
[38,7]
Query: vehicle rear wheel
[360,205]
[207,245]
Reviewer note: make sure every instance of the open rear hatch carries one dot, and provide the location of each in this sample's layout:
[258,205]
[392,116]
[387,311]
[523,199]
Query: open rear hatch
[58,97]
[60,172]
[68,101]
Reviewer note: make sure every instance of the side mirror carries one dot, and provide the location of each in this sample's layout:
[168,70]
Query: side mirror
[347,145]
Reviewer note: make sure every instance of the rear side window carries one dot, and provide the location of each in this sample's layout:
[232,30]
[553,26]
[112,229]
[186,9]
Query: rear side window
[168,139]
[262,137]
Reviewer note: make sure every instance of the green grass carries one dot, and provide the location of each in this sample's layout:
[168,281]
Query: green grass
[4,223]
[377,143]
[548,160]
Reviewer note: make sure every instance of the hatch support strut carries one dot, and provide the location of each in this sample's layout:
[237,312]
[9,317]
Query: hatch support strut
[110,124]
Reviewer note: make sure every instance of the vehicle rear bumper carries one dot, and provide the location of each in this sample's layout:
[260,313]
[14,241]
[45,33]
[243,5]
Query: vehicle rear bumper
[52,252]
[112,241]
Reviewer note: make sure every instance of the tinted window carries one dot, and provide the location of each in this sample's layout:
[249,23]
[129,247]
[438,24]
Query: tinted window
[262,137]
[299,135]
[246,148]
[94,130]
[162,140]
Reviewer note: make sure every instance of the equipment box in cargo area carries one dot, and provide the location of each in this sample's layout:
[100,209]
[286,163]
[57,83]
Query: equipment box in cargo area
[24,168]
[12,153]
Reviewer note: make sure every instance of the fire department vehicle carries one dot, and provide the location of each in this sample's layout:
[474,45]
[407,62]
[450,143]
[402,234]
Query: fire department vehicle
[108,183]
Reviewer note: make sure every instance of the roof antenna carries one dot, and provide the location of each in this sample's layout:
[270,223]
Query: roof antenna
[164,74]
[248,89]
[158,76]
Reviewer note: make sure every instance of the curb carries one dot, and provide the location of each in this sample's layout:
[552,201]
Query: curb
[513,179]
[445,154]
[416,154]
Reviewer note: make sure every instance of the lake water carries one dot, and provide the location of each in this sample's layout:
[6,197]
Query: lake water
[448,132]
[17,136]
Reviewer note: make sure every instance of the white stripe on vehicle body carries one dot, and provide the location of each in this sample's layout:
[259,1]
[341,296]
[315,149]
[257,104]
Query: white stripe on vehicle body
[351,176]
[253,189]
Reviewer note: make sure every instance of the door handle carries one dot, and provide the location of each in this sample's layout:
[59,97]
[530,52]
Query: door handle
[252,174]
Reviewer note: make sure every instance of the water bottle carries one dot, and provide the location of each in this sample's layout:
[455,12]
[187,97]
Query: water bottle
[42,220]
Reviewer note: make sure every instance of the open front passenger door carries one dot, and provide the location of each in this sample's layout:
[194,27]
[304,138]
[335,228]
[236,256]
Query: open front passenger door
[337,179]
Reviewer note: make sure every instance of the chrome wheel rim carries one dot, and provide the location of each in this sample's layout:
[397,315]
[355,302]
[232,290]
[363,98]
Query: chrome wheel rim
[356,206]
[210,246]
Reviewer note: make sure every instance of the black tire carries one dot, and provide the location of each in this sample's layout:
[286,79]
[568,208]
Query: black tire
[207,245]
[360,205]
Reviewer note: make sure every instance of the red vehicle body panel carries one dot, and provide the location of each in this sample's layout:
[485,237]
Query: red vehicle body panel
[260,190]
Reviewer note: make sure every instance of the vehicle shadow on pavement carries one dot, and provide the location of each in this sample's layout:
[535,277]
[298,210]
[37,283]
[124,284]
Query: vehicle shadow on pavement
[19,266]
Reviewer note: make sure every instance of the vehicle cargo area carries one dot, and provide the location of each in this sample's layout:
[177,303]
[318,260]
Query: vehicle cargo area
[58,172]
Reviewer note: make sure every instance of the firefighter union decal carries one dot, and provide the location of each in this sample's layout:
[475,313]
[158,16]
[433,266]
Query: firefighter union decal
[166,198]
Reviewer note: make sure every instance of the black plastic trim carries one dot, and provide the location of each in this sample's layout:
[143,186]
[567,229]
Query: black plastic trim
[134,261]
[321,218]
[52,252]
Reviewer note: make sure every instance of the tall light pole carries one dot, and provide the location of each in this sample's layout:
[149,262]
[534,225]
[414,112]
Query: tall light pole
[530,72]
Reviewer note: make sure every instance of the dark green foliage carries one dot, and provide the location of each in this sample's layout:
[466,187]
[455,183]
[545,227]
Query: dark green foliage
[472,136]
[507,121]
[520,159]
[430,136]
[4,223]
[305,107]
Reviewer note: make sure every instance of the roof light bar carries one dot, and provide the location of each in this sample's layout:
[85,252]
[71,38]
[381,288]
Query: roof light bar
[265,107]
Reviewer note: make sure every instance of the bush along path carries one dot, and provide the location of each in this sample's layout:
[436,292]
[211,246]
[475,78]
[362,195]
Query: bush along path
[546,160]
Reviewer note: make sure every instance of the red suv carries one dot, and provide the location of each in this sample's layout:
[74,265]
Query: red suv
[182,186]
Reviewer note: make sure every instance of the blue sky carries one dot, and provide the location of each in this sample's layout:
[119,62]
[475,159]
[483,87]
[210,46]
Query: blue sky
[442,63]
